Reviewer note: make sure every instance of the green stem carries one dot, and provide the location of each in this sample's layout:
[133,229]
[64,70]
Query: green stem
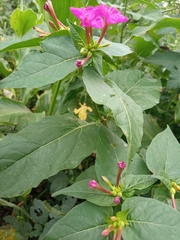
[9,204]
[21,5]
[124,24]
[56,88]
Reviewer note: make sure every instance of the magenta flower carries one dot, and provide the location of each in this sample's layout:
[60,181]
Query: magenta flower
[117,200]
[110,15]
[88,17]
[79,62]
[92,184]
[121,165]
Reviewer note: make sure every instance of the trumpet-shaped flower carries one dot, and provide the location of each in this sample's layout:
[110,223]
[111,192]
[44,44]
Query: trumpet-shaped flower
[88,17]
[110,15]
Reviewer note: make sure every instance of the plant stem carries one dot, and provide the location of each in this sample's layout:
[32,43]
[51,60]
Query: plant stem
[173,202]
[9,204]
[56,88]
[21,5]
[124,24]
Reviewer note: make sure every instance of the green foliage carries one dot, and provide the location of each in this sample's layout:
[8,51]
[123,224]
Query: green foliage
[89,129]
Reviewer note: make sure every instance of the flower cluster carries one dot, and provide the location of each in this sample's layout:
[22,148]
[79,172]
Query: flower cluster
[56,26]
[116,191]
[99,17]
[116,225]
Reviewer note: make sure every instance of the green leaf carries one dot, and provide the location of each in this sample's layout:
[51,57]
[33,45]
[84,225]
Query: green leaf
[128,115]
[78,35]
[145,91]
[39,212]
[85,221]
[138,166]
[43,153]
[110,150]
[41,68]
[9,106]
[171,61]
[163,155]
[16,113]
[82,190]
[62,9]
[23,21]
[137,182]
[150,130]
[164,22]
[27,42]
[114,49]
[150,219]
[3,68]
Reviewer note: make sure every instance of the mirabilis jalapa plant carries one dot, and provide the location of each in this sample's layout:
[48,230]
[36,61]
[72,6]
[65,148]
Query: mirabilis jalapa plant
[55,143]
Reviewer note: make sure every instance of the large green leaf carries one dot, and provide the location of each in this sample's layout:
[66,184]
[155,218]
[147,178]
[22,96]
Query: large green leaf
[170,60]
[85,221]
[127,114]
[23,21]
[41,150]
[150,219]
[145,91]
[41,68]
[163,155]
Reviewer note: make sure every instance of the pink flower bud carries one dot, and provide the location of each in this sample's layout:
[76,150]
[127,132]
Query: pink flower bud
[79,63]
[106,231]
[117,200]
[121,165]
[92,184]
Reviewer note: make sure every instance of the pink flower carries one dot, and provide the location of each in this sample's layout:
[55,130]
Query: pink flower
[79,62]
[121,165]
[88,17]
[110,15]
[106,231]
[92,184]
[49,8]
[117,200]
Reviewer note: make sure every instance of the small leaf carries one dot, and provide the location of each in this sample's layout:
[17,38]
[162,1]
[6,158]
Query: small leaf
[23,21]
[114,49]
[163,155]
[39,212]
[85,221]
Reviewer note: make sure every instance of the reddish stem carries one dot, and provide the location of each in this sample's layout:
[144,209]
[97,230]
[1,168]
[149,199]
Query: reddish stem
[118,236]
[118,176]
[173,202]
[103,32]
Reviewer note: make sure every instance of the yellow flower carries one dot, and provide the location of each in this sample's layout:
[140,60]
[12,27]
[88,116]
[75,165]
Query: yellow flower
[82,111]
